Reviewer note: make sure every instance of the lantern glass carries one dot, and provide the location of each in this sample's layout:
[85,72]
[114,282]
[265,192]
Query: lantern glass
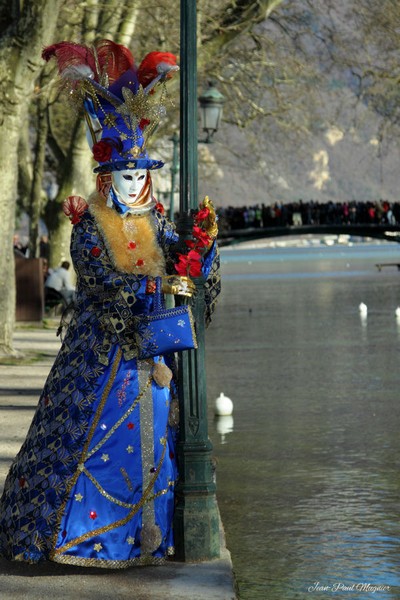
[211,106]
[211,116]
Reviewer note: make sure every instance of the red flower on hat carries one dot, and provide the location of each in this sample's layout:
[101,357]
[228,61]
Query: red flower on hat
[160,208]
[143,123]
[102,151]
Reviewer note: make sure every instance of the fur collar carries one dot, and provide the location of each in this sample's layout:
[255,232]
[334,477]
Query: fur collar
[131,241]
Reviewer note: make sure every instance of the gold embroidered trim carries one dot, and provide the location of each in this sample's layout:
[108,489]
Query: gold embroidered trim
[147,453]
[112,564]
[78,471]
[162,492]
[120,502]
[121,420]
[103,491]
[103,400]
[127,479]
[120,522]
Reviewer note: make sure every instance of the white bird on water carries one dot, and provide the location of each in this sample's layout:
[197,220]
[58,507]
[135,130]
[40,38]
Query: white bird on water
[223,405]
[397,312]
[363,308]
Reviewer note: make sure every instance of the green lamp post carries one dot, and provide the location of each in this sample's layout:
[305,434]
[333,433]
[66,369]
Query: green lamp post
[174,171]
[211,106]
[196,522]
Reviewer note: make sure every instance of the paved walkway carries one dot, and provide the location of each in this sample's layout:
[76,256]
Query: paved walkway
[20,387]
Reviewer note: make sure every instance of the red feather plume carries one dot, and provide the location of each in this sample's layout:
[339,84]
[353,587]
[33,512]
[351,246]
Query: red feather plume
[114,59]
[152,66]
[68,54]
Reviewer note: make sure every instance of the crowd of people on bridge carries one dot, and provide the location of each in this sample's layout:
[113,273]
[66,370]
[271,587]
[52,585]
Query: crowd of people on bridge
[309,213]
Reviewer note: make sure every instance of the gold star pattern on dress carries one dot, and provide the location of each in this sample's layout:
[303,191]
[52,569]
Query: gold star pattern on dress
[98,547]
[78,497]
[163,440]
[129,449]
[131,540]
[105,457]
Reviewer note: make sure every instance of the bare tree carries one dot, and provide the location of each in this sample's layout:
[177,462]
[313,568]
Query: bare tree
[26,27]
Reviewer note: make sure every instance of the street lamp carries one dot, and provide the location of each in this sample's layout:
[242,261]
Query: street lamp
[174,171]
[196,522]
[211,107]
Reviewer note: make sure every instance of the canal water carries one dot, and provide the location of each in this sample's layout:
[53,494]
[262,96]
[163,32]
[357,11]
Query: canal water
[308,472]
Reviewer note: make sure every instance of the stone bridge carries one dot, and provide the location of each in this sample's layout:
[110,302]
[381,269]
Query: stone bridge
[387,232]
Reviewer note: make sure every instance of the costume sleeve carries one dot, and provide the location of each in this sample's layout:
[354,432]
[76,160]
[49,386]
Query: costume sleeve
[212,286]
[166,237]
[119,300]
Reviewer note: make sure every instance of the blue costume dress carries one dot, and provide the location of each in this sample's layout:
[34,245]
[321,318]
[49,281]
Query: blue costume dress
[93,484]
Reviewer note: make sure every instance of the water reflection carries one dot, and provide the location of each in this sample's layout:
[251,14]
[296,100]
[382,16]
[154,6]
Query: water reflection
[224,425]
[308,482]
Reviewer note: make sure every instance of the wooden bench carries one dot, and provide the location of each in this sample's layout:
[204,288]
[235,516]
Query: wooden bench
[381,265]
[54,302]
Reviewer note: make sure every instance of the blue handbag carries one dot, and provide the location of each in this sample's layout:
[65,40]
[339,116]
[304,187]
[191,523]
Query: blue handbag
[167,330]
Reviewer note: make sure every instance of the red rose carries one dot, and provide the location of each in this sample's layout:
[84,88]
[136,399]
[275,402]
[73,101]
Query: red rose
[159,207]
[189,264]
[202,214]
[195,269]
[202,237]
[182,266]
[102,151]
[143,123]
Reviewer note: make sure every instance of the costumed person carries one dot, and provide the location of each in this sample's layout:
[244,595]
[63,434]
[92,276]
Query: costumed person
[93,484]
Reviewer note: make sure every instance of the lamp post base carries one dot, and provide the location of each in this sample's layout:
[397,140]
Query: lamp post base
[196,520]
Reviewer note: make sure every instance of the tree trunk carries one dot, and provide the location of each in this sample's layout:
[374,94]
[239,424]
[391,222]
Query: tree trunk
[38,167]
[8,162]
[20,49]
[127,26]
[24,166]
[77,179]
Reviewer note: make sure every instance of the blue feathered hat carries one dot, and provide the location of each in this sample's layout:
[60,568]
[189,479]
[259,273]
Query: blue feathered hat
[120,107]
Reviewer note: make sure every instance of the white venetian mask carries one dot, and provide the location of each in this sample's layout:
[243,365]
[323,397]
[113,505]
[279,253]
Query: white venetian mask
[128,184]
